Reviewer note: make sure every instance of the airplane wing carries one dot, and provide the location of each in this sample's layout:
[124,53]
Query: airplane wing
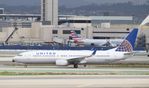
[79,59]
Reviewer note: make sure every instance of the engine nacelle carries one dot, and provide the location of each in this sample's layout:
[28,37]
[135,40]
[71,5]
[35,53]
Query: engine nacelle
[61,62]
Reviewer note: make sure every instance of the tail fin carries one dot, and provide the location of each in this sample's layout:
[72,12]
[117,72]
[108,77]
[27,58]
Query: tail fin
[74,35]
[129,43]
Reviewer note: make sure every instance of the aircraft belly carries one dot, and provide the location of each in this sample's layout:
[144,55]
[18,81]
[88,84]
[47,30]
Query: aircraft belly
[95,61]
[99,61]
[36,61]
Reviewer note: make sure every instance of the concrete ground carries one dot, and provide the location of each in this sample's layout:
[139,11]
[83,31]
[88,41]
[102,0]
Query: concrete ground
[72,81]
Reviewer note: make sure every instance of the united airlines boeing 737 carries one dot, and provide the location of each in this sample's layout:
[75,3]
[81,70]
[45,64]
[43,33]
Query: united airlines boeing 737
[80,57]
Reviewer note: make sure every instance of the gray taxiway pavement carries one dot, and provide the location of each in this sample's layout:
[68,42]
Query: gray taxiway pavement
[75,81]
[78,71]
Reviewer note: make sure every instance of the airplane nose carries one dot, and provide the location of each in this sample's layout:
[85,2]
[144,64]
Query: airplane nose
[14,59]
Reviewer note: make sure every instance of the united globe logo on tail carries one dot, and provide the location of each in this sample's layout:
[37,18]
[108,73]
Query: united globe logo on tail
[128,44]
[125,47]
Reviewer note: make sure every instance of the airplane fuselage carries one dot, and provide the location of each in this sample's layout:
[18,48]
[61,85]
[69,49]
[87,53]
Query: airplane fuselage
[50,57]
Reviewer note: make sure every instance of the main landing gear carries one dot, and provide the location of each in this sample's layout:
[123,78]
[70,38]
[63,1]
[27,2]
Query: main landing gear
[25,65]
[75,65]
[85,65]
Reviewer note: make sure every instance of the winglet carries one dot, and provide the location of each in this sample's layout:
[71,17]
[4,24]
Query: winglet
[94,51]
[129,43]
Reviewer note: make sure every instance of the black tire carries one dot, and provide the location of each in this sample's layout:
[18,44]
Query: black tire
[75,65]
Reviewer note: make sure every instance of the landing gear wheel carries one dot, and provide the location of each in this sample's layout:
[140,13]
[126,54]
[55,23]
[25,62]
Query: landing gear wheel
[85,65]
[75,65]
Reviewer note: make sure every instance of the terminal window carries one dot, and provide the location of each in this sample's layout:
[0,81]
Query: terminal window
[55,31]
[69,31]
[1,11]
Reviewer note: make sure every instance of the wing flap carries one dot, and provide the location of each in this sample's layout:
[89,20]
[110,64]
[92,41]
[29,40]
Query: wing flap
[79,59]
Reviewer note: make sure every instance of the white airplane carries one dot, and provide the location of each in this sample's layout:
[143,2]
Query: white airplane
[80,57]
[74,38]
